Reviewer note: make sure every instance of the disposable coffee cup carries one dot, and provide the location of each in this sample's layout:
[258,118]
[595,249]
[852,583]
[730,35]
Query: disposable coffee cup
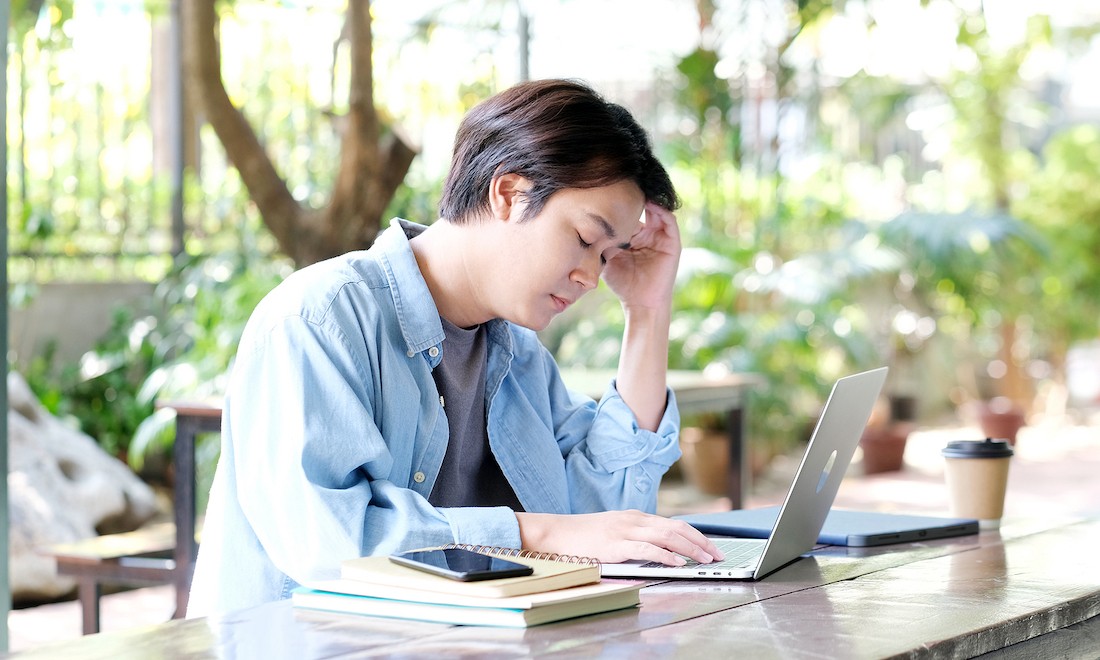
[977,476]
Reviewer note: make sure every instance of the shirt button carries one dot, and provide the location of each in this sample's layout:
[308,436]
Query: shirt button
[433,351]
[419,477]
[411,353]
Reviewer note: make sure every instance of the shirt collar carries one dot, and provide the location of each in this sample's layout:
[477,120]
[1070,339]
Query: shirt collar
[416,311]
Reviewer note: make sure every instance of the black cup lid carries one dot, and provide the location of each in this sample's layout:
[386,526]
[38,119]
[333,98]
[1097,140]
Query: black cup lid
[988,448]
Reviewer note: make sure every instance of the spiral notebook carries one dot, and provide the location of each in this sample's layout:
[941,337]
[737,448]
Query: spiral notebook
[551,571]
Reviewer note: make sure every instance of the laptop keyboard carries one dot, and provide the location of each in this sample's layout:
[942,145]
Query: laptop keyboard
[739,554]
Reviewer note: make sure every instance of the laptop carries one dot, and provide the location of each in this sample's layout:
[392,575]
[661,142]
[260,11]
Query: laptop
[808,501]
[856,529]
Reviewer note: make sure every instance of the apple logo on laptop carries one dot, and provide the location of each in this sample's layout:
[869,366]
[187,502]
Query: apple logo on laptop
[826,470]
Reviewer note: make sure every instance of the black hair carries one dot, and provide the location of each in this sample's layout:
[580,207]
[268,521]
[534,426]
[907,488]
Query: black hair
[557,134]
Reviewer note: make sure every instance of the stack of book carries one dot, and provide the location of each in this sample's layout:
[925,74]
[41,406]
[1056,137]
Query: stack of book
[555,590]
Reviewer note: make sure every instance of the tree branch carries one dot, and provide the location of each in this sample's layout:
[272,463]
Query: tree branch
[371,167]
[359,145]
[202,65]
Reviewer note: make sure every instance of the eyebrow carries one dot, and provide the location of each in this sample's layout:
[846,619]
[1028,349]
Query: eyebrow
[607,229]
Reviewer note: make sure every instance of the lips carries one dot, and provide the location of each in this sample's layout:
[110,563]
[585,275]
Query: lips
[560,303]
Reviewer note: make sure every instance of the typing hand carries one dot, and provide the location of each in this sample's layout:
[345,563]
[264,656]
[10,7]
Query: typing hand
[616,536]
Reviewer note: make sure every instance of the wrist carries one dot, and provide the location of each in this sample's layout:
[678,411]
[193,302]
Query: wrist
[533,529]
[647,327]
[648,314]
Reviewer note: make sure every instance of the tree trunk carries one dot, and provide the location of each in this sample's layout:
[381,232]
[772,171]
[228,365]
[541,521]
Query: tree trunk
[1015,384]
[372,164]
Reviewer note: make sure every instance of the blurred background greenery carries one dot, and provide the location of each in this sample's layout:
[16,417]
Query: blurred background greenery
[865,182]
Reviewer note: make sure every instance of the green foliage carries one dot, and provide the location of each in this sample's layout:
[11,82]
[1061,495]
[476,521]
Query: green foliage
[416,200]
[154,436]
[975,257]
[1063,202]
[208,301]
[990,102]
[101,393]
[45,17]
[789,322]
[767,261]
[701,90]
[182,351]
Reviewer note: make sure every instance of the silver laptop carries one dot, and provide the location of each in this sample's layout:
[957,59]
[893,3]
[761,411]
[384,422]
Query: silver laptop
[808,501]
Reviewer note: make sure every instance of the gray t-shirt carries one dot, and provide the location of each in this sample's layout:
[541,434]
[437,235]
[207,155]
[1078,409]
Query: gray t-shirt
[470,474]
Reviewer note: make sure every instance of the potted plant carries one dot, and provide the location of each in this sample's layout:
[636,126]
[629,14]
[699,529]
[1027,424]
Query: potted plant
[1001,418]
[704,443]
[963,268]
[885,437]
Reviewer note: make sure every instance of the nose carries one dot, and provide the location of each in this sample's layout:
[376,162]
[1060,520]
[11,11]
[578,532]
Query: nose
[587,273]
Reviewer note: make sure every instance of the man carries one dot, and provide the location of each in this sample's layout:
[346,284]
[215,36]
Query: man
[399,397]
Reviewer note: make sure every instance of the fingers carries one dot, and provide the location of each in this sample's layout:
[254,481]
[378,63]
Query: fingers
[669,541]
[659,228]
[654,220]
[658,214]
[685,540]
[660,218]
[614,536]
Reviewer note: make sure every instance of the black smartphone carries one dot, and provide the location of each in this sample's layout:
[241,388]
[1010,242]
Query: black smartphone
[459,564]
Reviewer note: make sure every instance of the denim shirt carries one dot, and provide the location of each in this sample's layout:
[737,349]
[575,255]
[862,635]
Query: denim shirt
[333,433]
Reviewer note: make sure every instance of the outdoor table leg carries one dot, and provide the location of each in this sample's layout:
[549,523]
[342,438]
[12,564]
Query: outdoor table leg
[737,478]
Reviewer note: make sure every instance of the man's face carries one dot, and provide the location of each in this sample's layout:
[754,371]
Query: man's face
[546,263]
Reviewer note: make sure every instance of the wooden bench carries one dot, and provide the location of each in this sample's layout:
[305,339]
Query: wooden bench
[156,554]
[141,556]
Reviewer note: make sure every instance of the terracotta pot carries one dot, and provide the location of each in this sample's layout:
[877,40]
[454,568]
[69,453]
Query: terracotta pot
[706,459]
[1001,419]
[884,447]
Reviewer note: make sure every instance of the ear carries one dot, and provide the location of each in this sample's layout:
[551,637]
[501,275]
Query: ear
[507,195]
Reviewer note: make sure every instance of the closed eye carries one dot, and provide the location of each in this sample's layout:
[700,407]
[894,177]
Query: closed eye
[585,245]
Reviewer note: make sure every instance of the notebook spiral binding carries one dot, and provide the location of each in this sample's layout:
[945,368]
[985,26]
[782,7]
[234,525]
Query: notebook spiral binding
[528,554]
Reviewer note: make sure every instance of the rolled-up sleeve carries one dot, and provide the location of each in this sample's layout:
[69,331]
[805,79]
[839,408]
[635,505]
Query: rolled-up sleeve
[610,462]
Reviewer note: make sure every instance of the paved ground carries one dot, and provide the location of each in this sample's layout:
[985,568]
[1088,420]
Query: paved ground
[1054,473]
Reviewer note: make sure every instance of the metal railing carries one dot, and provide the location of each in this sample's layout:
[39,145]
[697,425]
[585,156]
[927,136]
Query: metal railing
[94,137]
